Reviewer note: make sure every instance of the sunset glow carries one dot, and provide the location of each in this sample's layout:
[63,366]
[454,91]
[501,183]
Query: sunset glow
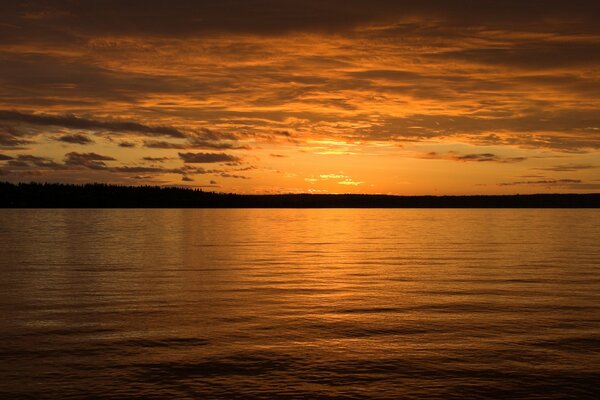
[423,97]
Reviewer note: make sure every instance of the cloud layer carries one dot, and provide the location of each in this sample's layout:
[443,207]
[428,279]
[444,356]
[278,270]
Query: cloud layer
[297,88]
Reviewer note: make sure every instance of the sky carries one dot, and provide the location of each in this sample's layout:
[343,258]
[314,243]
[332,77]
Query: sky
[313,96]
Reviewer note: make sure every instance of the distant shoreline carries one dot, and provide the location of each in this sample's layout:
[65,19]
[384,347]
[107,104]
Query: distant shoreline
[54,195]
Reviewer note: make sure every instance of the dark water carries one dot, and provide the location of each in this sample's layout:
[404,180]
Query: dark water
[243,304]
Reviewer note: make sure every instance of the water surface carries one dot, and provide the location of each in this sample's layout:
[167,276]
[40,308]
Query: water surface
[315,304]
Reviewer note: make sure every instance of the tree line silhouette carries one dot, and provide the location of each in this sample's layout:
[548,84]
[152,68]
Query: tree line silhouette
[96,195]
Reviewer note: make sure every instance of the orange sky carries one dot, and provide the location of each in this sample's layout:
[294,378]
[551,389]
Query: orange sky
[427,97]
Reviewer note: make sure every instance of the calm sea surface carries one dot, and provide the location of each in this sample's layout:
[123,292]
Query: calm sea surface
[312,304]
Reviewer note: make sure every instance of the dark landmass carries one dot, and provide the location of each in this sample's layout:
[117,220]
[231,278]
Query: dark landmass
[51,195]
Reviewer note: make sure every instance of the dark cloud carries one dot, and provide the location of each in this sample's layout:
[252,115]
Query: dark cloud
[479,157]
[557,141]
[39,79]
[567,129]
[19,164]
[205,134]
[161,144]
[77,138]
[187,18]
[535,55]
[10,141]
[484,157]
[546,182]
[388,75]
[143,170]
[78,166]
[213,182]
[76,161]
[207,157]
[186,178]
[25,161]
[10,137]
[205,144]
[193,143]
[88,160]
[73,122]
[160,170]
[565,184]
[581,85]
[567,167]
[155,159]
[246,168]
[198,75]
[234,176]
[277,155]
[532,120]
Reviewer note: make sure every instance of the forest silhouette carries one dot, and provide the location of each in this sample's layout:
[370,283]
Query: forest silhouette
[56,195]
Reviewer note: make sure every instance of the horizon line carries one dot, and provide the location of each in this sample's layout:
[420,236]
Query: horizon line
[202,189]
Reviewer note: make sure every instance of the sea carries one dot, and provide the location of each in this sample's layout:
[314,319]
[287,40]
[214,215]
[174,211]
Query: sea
[300,303]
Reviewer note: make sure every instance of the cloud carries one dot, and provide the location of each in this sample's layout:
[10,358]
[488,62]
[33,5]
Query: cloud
[332,176]
[186,18]
[193,143]
[567,167]
[155,159]
[186,178]
[161,144]
[533,55]
[310,77]
[570,184]
[479,157]
[12,138]
[77,138]
[10,141]
[77,166]
[559,129]
[28,161]
[142,170]
[346,180]
[228,175]
[88,160]
[349,182]
[205,144]
[74,122]
[207,157]
[546,182]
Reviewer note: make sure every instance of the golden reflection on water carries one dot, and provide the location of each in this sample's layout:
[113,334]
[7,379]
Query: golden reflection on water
[297,303]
